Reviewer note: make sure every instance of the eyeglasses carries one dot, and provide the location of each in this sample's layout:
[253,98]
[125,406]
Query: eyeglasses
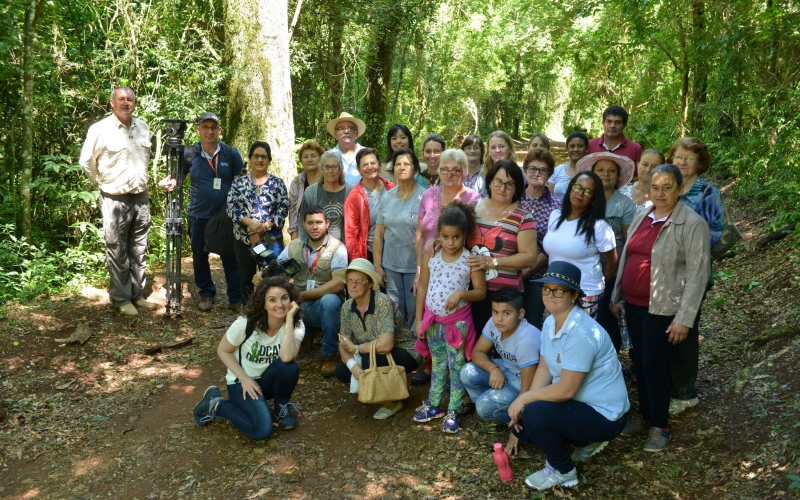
[510,185]
[260,157]
[450,171]
[687,159]
[351,128]
[474,147]
[330,168]
[583,191]
[357,282]
[538,171]
[206,128]
[557,292]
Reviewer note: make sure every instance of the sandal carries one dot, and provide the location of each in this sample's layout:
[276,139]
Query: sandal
[421,378]
[386,412]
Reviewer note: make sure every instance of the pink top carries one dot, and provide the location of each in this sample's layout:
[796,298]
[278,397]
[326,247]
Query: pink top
[431,206]
[499,239]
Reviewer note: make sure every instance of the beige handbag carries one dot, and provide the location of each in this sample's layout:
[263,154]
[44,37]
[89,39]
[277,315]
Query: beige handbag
[382,384]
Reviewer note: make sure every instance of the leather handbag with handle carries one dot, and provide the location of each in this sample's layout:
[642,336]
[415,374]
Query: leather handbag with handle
[382,384]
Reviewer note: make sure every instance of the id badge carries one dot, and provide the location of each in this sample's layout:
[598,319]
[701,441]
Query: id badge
[217,183]
[311,284]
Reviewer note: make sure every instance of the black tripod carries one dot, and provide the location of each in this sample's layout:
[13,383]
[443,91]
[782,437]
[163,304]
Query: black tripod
[173,217]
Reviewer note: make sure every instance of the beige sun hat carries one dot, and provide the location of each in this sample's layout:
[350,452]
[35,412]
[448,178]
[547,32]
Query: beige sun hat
[346,117]
[362,266]
[625,165]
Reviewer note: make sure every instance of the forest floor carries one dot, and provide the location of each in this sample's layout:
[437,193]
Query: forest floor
[105,420]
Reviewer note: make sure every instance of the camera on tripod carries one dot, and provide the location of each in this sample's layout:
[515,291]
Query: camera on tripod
[268,260]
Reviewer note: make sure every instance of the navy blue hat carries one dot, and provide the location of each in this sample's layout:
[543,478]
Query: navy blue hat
[563,273]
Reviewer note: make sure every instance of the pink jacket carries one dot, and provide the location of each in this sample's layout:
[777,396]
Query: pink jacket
[453,334]
[356,220]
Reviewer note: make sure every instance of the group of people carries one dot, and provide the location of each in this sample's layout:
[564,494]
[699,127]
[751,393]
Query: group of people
[451,267]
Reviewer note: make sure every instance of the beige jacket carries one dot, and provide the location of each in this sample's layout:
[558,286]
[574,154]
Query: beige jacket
[115,158]
[680,265]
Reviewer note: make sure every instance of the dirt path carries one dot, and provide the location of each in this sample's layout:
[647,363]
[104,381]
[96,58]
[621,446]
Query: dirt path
[104,420]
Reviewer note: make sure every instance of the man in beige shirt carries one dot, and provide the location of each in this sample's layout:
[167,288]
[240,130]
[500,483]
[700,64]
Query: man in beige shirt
[115,156]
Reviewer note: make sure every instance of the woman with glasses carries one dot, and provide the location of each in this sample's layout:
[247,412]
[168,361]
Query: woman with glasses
[474,179]
[577,147]
[309,155]
[579,234]
[505,242]
[330,192]
[395,233]
[362,204]
[454,166]
[537,200]
[664,272]
[367,316]
[578,396]
[258,206]
[693,159]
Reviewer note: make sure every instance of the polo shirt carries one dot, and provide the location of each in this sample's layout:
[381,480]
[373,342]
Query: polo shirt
[204,200]
[626,148]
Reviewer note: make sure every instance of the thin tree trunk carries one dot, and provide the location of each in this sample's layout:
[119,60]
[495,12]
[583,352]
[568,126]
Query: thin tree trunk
[27,120]
[259,89]
[379,75]
[700,83]
[335,62]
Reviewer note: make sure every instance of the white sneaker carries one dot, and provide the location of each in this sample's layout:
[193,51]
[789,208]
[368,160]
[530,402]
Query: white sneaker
[680,405]
[549,477]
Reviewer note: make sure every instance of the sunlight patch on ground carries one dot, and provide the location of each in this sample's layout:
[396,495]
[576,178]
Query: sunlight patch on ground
[32,493]
[91,292]
[83,467]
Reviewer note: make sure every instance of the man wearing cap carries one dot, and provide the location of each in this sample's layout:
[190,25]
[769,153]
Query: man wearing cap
[613,140]
[115,157]
[346,130]
[213,165]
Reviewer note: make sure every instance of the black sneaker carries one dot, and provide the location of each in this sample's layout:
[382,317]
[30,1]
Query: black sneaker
[204,411]
[285,418]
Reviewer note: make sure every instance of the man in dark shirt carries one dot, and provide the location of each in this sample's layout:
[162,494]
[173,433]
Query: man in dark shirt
[613,140]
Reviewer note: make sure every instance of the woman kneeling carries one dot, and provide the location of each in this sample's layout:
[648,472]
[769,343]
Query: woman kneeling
[259,350]
[578,396]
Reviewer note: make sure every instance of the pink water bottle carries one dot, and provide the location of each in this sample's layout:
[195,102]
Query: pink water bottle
[501,459]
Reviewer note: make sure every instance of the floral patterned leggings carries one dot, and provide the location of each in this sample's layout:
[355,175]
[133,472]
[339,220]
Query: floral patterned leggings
[446,358]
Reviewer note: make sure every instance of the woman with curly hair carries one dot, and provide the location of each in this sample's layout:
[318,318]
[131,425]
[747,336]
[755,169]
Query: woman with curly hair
[259,350]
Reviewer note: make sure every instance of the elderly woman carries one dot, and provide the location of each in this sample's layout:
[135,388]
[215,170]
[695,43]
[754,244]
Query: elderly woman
[432,148]
[640,191]
[505,242]
[499,146]
[258,206]
[537,200]
[578,394]
[577,147]
[472,146]
[259,351]
[664,272]
[579,234]
[362,204]
[309,154]
[330,193]
[538,141]
[398,137]
[693,159]
[396,262]
[371,316]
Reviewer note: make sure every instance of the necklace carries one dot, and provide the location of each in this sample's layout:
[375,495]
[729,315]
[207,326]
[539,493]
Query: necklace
[491,212]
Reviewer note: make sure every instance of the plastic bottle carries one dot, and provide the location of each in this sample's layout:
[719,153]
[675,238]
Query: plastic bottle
[501,459]
[623,331]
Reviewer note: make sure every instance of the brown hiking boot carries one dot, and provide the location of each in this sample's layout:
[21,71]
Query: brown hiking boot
[328,368]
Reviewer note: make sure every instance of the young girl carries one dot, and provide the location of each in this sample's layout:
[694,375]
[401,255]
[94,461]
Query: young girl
[444,315]
[259,350]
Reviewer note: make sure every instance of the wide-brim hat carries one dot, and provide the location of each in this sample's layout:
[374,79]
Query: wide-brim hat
[362,266]
[625,165]
[346,117]
[563,273]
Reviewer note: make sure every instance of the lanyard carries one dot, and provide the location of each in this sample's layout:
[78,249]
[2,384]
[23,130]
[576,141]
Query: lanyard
[214,165]
[312,268]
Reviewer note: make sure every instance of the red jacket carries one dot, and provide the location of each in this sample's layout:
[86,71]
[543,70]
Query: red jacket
[356,220]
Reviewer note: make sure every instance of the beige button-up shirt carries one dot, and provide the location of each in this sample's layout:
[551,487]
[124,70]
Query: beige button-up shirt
[115,157]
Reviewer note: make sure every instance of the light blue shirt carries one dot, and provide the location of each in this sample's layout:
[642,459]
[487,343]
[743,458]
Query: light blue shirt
[351,175]
[581,345]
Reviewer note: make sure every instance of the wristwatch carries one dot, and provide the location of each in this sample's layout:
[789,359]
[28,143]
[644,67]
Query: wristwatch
[495,263]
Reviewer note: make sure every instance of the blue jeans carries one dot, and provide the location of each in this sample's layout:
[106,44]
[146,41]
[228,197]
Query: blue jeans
[552,426]
[202,271]
[325,313]
[490,404]
[252,416]
[400,288]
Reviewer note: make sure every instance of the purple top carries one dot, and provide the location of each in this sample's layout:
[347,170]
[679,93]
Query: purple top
[431,206]
[540,208]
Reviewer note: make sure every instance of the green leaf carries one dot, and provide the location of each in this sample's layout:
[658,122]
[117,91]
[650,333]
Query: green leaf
[751,285]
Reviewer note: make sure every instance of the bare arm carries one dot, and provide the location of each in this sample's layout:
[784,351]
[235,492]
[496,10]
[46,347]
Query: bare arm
[290,346]
[610,269]
[526,377]
[422,291]
[225,352]
[377,250]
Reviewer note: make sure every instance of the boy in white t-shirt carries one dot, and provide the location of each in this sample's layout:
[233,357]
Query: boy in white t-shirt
[493,384]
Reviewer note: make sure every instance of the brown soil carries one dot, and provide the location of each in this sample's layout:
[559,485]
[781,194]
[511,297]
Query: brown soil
[104,420]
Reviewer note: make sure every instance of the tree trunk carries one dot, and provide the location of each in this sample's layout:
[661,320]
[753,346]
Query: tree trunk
[700,83]
[335,62]
[259,88]
[27,120]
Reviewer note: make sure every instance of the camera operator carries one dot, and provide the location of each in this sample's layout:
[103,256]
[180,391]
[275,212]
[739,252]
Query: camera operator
[213,165]
[318,254]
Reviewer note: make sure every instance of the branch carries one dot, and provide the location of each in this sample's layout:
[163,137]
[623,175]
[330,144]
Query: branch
[674,62]
[295,18]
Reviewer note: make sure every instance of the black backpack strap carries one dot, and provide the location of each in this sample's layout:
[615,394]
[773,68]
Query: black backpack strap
[248,331]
